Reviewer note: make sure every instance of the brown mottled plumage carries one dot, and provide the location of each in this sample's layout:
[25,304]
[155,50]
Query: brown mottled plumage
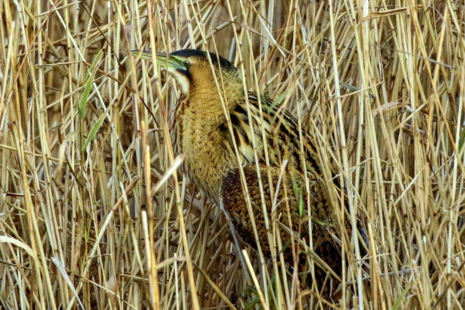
[203,133]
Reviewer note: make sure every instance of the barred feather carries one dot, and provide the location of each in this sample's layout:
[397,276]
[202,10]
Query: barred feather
[282,135]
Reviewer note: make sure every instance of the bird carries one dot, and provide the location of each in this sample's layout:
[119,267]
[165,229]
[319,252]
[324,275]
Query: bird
[229,134]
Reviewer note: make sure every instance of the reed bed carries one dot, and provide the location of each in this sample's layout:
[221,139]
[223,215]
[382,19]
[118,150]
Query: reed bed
[94,213]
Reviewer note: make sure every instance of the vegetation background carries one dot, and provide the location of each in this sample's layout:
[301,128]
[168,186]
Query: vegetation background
[84,142]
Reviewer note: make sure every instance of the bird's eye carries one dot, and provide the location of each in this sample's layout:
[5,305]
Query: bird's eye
[186,63]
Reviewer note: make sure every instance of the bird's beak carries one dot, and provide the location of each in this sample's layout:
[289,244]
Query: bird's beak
[167,61]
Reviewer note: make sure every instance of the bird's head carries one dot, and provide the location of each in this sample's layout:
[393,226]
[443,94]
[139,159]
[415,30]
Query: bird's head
[193,72]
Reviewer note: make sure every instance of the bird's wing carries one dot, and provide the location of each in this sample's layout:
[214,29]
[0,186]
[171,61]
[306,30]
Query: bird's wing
[263,130]
[287,205]
[267,130]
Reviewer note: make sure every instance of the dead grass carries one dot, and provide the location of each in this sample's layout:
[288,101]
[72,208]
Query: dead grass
[85,141]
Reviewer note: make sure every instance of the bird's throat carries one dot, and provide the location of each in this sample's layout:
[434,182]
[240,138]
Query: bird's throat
[208,108]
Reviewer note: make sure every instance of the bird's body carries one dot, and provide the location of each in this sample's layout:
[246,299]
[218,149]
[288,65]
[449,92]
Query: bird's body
[221,128]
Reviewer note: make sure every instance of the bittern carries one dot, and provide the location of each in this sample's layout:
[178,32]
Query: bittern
[221,129]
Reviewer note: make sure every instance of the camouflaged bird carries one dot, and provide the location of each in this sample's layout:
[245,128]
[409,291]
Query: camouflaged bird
[212,117]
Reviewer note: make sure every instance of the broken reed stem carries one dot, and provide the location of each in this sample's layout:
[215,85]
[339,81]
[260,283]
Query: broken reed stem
[150,244]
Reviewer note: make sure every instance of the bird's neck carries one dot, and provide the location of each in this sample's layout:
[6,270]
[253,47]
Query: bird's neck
[210,105]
